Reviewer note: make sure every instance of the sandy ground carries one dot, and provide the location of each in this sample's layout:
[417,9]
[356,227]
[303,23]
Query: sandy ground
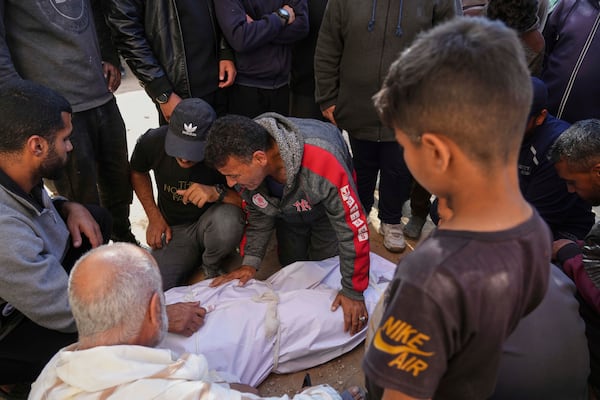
[140,115]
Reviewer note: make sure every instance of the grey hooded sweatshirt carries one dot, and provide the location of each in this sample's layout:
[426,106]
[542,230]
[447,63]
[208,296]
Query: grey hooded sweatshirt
[34,241]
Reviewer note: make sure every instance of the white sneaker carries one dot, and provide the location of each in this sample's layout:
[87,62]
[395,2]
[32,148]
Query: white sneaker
[393,238]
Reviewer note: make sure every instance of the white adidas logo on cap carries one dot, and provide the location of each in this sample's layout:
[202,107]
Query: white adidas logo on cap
[189,129]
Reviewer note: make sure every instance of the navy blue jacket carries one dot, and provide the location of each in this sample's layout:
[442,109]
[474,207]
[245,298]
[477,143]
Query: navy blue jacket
[263,50]
[572,62]
[568,216]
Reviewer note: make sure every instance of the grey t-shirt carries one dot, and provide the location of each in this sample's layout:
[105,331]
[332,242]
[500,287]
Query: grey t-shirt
[54,43]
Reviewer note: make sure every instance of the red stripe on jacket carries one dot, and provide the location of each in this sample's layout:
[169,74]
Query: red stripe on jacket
[326,165]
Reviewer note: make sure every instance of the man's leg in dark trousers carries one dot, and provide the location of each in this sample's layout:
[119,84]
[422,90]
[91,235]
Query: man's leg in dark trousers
[252,101]
[420,204]
[98,168]
[305,242]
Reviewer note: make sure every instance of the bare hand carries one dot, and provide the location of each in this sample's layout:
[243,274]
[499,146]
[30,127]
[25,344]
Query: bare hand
[112,75]
[157,228]
[290,11]
[243,273]
[353,311]
[198,194]
[559,244]
[328,113]
[169,106]
[80,221]
[227,73]
[185,318]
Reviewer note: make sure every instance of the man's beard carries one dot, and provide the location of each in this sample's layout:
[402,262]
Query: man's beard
[53,166]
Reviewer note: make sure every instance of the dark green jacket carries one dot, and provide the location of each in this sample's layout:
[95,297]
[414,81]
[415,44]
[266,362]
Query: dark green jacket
[358,41]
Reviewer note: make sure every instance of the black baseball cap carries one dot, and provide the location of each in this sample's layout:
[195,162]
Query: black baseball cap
[188,127]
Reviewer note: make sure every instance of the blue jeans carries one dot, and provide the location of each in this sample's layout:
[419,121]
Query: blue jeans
[97,171]
[204,242]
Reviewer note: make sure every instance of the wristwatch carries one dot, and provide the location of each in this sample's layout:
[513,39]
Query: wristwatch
[284,15]
[163,97]
[222,191]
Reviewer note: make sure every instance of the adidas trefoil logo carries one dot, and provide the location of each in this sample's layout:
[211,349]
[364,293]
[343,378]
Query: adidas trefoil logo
[189,129]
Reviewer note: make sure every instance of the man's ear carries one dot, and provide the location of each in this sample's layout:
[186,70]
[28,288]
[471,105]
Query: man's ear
[154,310]
[151,324]
[36,145]
[260,157]
[437,151]
[541,117]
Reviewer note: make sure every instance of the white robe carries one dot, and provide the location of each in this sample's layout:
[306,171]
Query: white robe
[284,324]
[128,372]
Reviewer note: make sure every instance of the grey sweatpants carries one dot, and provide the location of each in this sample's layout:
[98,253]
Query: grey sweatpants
[204,242]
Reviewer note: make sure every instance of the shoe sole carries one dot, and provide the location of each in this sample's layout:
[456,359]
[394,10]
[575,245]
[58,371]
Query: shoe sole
[395,249]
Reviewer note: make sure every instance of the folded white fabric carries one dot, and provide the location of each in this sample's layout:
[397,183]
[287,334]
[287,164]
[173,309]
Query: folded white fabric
[281,325]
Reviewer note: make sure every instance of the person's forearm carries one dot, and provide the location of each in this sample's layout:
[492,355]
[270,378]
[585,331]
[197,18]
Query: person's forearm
[232,197]
[142,186]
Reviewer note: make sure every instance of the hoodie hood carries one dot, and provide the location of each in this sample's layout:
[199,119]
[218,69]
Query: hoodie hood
[289,140]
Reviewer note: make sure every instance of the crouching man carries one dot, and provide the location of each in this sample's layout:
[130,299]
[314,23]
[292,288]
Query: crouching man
[197,220]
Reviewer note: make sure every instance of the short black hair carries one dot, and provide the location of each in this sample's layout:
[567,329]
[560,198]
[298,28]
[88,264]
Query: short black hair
[29,109]
[235,136]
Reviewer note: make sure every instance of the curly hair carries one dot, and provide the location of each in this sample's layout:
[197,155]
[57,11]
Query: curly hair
[235,136]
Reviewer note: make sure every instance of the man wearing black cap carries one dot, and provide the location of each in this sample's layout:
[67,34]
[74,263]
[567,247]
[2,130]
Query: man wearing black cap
[198,220]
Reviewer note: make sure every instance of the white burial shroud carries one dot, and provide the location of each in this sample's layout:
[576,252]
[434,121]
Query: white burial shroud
[284,324]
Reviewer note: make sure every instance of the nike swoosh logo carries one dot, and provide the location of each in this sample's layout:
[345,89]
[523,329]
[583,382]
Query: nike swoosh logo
[380,344]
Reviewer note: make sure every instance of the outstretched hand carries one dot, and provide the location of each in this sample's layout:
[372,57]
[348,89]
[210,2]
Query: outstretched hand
[185,318]
[243,273]
[355,313]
